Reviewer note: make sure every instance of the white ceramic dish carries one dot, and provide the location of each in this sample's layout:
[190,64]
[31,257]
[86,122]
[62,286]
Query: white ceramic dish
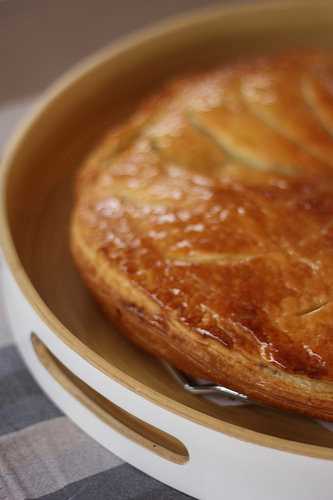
[120,396]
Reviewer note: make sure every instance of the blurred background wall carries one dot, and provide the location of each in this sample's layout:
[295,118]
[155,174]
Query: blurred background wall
[40,39]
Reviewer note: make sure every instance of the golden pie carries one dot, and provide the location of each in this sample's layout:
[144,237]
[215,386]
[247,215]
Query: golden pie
[204,227]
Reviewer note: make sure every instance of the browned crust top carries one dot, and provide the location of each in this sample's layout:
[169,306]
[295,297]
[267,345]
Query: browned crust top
[215,199]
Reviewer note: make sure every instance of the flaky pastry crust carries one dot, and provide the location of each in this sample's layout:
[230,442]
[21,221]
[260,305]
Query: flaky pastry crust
[203,225]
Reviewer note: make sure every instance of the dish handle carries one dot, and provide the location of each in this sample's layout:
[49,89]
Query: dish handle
[146,435]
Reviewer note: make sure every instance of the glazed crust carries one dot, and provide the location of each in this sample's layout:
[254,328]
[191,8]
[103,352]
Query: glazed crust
[203,226]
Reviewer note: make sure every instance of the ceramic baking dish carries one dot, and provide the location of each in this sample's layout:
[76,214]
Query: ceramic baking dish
[119,395]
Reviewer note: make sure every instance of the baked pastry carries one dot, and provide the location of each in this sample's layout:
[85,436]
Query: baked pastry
[204,227]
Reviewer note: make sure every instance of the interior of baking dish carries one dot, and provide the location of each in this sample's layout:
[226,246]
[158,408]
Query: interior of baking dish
[39,191]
